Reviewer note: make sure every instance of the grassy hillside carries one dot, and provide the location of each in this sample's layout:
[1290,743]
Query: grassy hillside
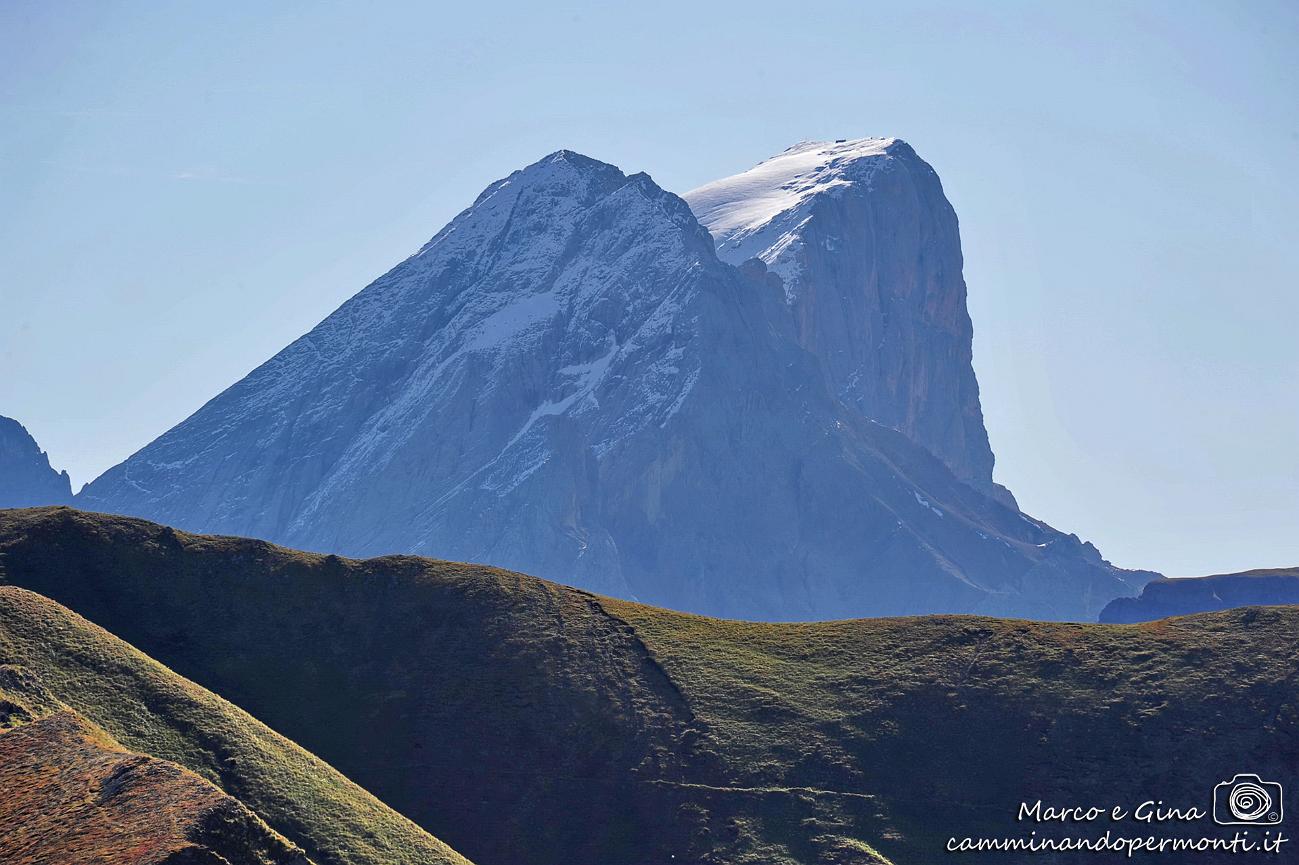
[525,722]
[73,794]
[952,721]
[52,660]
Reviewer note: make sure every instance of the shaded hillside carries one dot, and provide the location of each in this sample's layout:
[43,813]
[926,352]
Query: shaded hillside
[509,716]
[53,660]
[525,722]
[72,794]
[1186,595]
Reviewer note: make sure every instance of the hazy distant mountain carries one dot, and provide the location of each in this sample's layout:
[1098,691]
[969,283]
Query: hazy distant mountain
[26,478]
[1182,596]
[567,380]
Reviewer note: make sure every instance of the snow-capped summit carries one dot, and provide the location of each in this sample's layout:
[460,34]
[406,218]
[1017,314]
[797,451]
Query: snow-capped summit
[757,213]
[869,254]
[567,380]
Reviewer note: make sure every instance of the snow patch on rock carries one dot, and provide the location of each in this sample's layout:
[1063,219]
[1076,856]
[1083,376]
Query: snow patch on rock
[758,213]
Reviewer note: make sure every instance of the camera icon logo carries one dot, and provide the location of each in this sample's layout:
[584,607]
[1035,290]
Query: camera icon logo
[1247,800]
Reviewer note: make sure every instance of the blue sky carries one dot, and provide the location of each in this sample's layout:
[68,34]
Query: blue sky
[187,187]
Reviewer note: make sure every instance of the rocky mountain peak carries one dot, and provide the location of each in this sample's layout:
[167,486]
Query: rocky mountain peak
[868,251]
[26,477]
[562,294]
[567,380]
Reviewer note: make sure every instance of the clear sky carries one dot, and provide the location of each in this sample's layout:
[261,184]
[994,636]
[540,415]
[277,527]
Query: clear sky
[187,187]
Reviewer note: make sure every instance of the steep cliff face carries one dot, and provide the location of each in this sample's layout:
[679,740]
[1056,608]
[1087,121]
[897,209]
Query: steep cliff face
[567,381]
[26,478]
[869,253]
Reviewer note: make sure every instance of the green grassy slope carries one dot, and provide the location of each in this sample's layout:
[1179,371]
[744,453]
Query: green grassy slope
[73,794]
[55,659]
[511,717]
[952,721]
[525,722]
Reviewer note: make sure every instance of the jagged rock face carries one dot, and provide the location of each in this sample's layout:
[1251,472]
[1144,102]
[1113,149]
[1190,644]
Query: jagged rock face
[567,381]
[461,404]
[869,252]
[26,478]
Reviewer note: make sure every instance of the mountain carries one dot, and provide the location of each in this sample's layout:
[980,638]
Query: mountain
[868,254]
[567,380]
[1186,595]
[529,723]
[26,478]
[152,743]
